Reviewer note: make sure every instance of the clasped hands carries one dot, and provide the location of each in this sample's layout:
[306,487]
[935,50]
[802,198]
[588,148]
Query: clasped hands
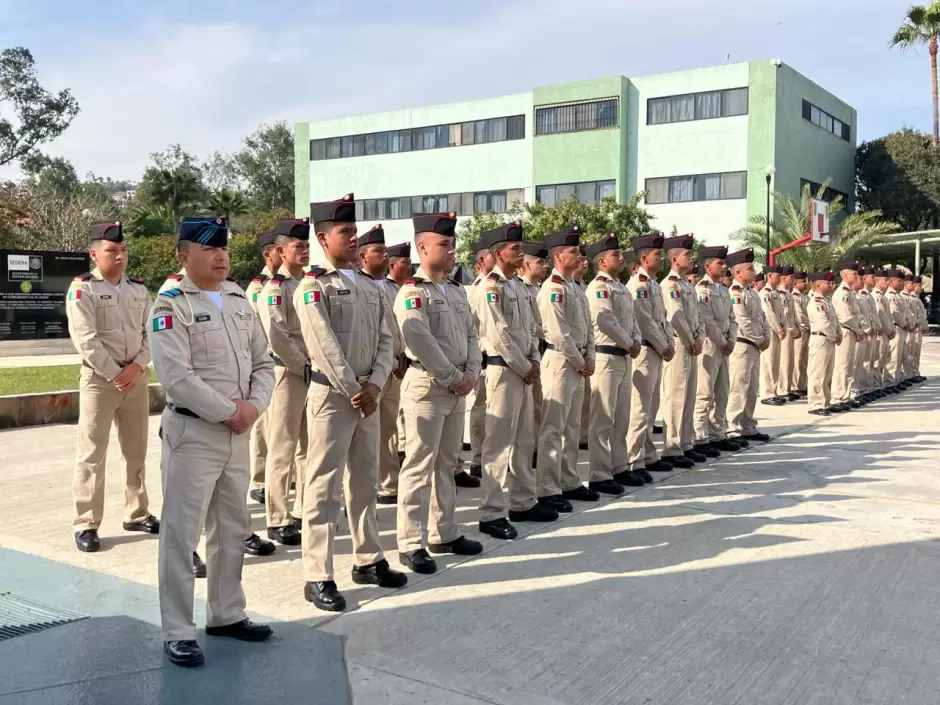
[243,418]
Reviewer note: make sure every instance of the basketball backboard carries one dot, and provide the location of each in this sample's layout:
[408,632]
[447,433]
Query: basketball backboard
[819,221]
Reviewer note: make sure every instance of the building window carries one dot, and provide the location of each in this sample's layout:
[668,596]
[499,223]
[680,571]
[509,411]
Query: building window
[380,209]
[696,106]
[600,114]
[698,187]
[456,134]
[588,192]
[829,195]
[822,119]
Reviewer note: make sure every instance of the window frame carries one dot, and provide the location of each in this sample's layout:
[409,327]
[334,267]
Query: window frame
[463,204]
[566,117]
[722,92]
[696,180]
[826,121]
[558,191]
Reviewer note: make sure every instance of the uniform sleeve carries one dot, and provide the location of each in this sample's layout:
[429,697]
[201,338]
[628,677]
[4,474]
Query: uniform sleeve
[496,331]
[602,314]
[143,357]
[474,355]
[385,353]
[262,369]
[172,358]
[770,315]
[790,306]
[589,351]
[272,310]
[83,329]
[847,314]
[706,305]
[802,318]
[643,311]
[310,302]
[555,324]
[733,327]
[884,313]
[411,312]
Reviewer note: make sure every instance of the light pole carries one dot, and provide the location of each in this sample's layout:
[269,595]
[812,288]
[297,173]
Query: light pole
[768,175]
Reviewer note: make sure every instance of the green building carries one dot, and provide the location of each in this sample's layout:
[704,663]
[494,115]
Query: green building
[699,142]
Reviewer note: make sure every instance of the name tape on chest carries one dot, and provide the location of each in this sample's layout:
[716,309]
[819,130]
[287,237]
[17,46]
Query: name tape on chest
[203,317]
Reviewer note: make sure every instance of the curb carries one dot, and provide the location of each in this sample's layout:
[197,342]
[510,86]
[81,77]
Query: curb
[23,410]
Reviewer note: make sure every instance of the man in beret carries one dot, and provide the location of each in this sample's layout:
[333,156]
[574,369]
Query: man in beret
[886,324]
[902,325]
[680,374]
[399,271]
[913,305]
[721,332]
[759,282]
[483,263]
[534,270]
[286,417]
[342,317]
[726,279]
[512,360]
[658,346]
[785,390]
[617,342]
[845,302]
[441,345]
[629,262]
[107,320]
[825,335]
[776,319]
[868,319]
[754,335]
[920,311]
[801,345]
[581,437]
[212,358]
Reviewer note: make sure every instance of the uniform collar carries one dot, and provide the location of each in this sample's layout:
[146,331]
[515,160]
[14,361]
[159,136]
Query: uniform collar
[642,270]
[266,271]
[556,273]
[528,280]
[97,276]
[604,277]
[285,272]
[499,273]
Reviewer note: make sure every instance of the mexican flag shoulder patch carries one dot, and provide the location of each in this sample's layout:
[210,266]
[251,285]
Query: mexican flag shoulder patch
[735,299]
[642,293]
[274,299]
[603,294]
[492,297]
[412,303]
[311,297]
[558,298]
[675,294]
[75,293]
[162,323]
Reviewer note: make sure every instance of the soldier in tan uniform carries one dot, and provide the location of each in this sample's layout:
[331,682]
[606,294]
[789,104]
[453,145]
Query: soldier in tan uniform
[770,358]
[581,437]
[440,341]
[868,319]
[825,335]
[657,346]
[902,324]
[534,270]
[512,363]
[680,374]
[282,325]
[617,342]
[630,264]
[759,282]
[483,264]
[754,335]
[845,302]
[920,311]
[212,358]
[721,332]
[788,345]
[914,310]
[343,321]
[107,320]
[568,361]
[399,271]
[801,345]
[886,324]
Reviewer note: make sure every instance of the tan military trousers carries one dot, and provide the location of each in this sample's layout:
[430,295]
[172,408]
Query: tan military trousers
[744,367]
[770,368]
[427,500]
[844,385]
[100,404]
[896,359]
[478,421]
[822,358]
[610,416]
[863,366]
[711,394]
[800,362]
[787,360]
[258,445]
[560,430]
[679,387]
[202,459]
[389,467]
[507,445]
[585,411]
[882,354]
[909,355]
[644,406]
[285,421]
[915,357]
[339,438]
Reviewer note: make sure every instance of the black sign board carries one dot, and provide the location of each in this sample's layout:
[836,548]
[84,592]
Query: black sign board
[32,292]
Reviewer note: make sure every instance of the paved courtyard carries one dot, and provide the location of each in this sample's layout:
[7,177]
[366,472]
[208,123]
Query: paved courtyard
[798,572]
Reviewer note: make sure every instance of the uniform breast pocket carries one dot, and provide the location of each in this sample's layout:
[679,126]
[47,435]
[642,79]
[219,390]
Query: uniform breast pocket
[107,314]
[371,299]
[438,314]
[511,311]
[244,326]
[208,343]
[342,312]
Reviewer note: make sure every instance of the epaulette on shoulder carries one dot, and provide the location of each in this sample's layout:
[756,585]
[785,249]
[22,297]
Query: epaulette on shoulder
[673,278]
[493,277]
[231,279]
[702,283]
[313,273]
[261,278]
[557,280]
[451,280]
[735,287]
[476,282]
[278,278]
[83,277]
[643,278]
[171,293]
[176,277]
[136,280]
[410,282]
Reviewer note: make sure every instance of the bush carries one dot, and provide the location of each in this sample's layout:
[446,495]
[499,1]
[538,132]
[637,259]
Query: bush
[153,258]
[245,258]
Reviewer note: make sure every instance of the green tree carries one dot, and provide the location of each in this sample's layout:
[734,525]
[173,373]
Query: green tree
[40,116]
[899,175]
[219,172]
[227,203]
[266,165]
[148,220]
[178,190]
[244,258]
[922,26]
[152,258]
[848,234]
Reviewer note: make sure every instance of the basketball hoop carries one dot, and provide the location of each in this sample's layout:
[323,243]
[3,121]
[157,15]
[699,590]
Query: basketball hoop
[819,221]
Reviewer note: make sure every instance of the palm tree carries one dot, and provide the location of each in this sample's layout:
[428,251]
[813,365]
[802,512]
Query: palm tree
[848,234]
[922,26]
[177,190]
[227,202]
[147,219]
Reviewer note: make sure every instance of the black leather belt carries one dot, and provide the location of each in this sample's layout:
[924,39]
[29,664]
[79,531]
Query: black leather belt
[549,346]
[320,378]
[415,363]
[647,344]
[496,361]
[122,365]
[182,411]
[278,362]
[543,346]
[484,359]
[818,333]
[610,350]
[748,342]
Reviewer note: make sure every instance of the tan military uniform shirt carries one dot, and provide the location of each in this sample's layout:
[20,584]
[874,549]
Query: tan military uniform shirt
[281,321]
[896,306]
[748,313]
[718,321]
[505,328]
[650,311]
[921,313]
[612,313]
[207,357]
[773,310]
[682,309]
[437,329]
[255,286]
[389,291]
[800,302]
[845,302]
[785,300]
[564,323]
[883,311]
[907,299]
[868,317]
[823,318]
[108,324]
[531,291]
[342,316]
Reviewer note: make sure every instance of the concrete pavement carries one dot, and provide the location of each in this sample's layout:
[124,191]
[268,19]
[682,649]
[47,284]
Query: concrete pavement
[800,571]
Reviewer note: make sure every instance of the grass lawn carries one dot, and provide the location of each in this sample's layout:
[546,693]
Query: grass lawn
[30,380]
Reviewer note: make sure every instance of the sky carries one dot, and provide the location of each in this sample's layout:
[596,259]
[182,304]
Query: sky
[205,74]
